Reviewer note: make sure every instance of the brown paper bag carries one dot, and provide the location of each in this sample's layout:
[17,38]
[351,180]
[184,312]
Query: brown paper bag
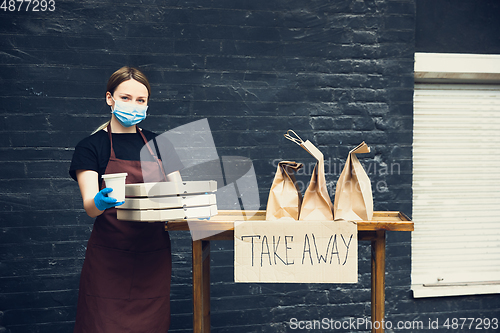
[284,197]
[353,195]
[316,205]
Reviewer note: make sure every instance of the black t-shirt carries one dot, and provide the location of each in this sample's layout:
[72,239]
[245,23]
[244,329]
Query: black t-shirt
[93,152]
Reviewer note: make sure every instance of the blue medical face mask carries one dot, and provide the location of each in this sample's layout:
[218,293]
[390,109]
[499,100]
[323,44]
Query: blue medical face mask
[129,114]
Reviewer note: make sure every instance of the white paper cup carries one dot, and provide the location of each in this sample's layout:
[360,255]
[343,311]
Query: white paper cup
[116,181]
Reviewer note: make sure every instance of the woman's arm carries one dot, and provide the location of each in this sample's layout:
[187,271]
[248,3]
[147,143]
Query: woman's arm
[89,186]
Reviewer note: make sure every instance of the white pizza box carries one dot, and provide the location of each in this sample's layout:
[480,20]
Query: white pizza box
[162,215]
[169,202]
[169,188]
[200,212]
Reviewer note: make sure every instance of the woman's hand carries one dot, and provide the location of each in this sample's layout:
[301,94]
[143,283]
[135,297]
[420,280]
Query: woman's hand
[102,201]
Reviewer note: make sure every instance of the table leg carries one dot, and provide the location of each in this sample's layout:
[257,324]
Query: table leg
[378,282]
[201,286]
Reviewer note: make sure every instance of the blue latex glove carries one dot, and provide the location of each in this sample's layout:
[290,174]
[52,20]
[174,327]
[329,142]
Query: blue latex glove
[102,201]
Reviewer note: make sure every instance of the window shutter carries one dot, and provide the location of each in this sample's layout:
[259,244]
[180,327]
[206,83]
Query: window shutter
[456,189]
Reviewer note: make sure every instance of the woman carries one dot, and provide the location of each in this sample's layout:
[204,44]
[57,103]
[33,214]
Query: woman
[125,279]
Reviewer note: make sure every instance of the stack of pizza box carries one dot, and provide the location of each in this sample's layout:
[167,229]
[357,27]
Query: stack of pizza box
[167,201]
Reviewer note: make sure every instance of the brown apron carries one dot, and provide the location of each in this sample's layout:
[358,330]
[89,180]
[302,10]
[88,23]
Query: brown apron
[125,279]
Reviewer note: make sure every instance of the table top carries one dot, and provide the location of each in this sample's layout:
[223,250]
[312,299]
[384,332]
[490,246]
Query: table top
[225,219]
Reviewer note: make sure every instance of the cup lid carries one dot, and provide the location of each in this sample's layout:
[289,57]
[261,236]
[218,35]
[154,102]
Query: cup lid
[115,175]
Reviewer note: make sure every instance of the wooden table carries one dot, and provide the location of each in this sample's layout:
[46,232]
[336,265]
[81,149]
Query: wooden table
[373,230]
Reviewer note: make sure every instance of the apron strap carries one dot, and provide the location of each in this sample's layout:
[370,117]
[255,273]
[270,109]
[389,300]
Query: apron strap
[111,140]
[152,153]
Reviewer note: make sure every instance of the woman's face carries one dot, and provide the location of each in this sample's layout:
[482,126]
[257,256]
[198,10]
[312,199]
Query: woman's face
[130,91]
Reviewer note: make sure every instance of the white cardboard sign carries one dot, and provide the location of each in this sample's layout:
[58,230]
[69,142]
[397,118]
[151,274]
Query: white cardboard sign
[296,251]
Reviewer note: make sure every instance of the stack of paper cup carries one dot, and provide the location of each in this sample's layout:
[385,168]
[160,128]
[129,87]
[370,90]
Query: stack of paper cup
[116,181]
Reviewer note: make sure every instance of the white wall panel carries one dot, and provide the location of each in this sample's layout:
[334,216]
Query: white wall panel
[456,189]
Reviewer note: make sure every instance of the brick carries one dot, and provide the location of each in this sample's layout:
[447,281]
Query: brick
[45,218]
[42,283]
[45,315]
[187,47]
[42,234]
[364,37]
[56,249]
[41,266]
[254,48]
[363,124]
[50,169]
[246,5]
[12,170]
[393,123]
[252,18]
[45,327]
[359,21]
[307,49]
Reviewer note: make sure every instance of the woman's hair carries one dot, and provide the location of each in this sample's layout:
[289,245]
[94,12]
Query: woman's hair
[124,74]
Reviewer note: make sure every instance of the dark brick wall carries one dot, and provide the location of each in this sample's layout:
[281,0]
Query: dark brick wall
[337,72]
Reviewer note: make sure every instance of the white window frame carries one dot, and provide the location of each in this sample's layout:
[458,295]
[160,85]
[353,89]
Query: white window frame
[455,68]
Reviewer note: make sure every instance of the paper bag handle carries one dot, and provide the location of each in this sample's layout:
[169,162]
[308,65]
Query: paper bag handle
[307,145]
[362,148]
[297,138]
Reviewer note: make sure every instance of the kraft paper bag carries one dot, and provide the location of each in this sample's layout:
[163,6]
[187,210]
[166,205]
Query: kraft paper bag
[316,205]
[353,195]
[284,197]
